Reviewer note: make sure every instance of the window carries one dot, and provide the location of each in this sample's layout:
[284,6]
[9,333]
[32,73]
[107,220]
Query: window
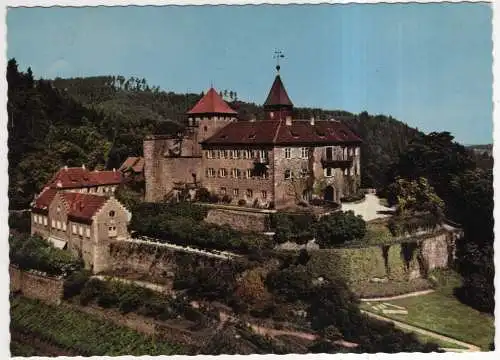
[73,228]
[249,193]
[58,209]
[246,154]
[112,231]
[356,152]
[304,153]
[80,230]
[236,192]
[329,153]
[223,191]
[211,172]
[59,225]
[222,173]
[112,213]
[223,154]
[237,154]
[304,172]
[53,223]
[64,226]
[264,194]
[35,219]
[45,221]
[214,154]
[209,154]
[248,173]
[328,172]
[262,155]
[345,172]
[265,175]
[288,174]
[234,173]
[288,153]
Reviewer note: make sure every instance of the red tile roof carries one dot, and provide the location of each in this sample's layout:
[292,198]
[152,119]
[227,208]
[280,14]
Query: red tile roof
[82,207]
[211,103]
[42,202]
[276,132]
[79,177]
[134,163]
[278,95]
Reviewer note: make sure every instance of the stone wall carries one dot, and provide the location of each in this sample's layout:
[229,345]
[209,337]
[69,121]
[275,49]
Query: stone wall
[152,262]
[437,251]
[239,220]
[36,286]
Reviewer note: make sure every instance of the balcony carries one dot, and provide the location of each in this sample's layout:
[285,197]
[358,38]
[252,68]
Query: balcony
[337,161]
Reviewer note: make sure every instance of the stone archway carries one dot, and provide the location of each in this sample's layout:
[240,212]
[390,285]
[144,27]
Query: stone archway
[329,193]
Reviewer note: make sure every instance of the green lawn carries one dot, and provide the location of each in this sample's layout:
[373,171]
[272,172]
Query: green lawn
[442,313]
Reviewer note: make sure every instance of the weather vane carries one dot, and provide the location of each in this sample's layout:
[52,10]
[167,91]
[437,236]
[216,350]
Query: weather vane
[277,55]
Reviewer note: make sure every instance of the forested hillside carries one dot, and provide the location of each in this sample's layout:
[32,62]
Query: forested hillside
[100,121]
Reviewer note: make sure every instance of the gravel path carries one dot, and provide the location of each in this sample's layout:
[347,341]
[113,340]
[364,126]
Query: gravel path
[370,209]
[403,325]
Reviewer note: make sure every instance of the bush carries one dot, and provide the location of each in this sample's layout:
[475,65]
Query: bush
[20,221]
[360,195]
[213,198]
[34,253]
[242,202]
[408,224]
[339,228]
[202,195]
[293,227]
[75,283]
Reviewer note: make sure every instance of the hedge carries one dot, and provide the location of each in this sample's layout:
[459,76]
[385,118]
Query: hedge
[360,265]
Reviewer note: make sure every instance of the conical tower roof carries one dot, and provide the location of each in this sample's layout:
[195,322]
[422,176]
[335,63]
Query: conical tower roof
[277,95]
[211,103]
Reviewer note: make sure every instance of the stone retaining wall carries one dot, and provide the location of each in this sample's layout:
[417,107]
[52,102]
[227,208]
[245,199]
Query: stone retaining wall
[36,286]
[239,220]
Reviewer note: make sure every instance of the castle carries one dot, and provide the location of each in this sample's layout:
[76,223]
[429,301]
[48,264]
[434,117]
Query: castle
[275,162]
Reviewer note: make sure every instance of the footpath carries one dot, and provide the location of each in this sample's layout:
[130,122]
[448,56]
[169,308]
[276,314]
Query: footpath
[402,325]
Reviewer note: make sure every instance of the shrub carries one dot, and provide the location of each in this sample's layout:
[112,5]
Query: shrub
[20,221]
[33,252]
[213,198]
[226,199]
[339,228]
[360,195]
[75,283]
[202,195]
[242,202]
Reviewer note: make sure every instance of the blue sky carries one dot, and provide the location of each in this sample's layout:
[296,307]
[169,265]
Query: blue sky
[428,65]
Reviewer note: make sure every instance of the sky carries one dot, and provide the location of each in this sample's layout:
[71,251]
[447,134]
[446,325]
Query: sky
[428,65]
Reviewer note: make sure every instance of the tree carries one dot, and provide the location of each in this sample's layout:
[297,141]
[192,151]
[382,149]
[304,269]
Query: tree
[435,157]
[414,196]
[251,290]
[292,283]
[473,199]
[339,228]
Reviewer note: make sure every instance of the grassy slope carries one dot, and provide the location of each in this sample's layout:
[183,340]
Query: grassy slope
[443,313]
[82,333]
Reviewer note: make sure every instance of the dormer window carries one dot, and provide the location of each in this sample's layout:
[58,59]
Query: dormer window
[111,213]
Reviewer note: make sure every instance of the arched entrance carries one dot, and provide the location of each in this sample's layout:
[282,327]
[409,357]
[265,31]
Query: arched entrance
[329,194]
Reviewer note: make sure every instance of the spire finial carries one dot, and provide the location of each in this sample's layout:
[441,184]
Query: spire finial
[277,55]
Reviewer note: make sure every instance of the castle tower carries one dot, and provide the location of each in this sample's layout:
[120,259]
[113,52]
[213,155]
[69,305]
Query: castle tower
[278,105]
[210,114]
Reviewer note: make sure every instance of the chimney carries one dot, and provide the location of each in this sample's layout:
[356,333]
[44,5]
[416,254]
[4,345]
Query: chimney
[66,167]
[288,121]
[83,166]
[114,170]
[312,120]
